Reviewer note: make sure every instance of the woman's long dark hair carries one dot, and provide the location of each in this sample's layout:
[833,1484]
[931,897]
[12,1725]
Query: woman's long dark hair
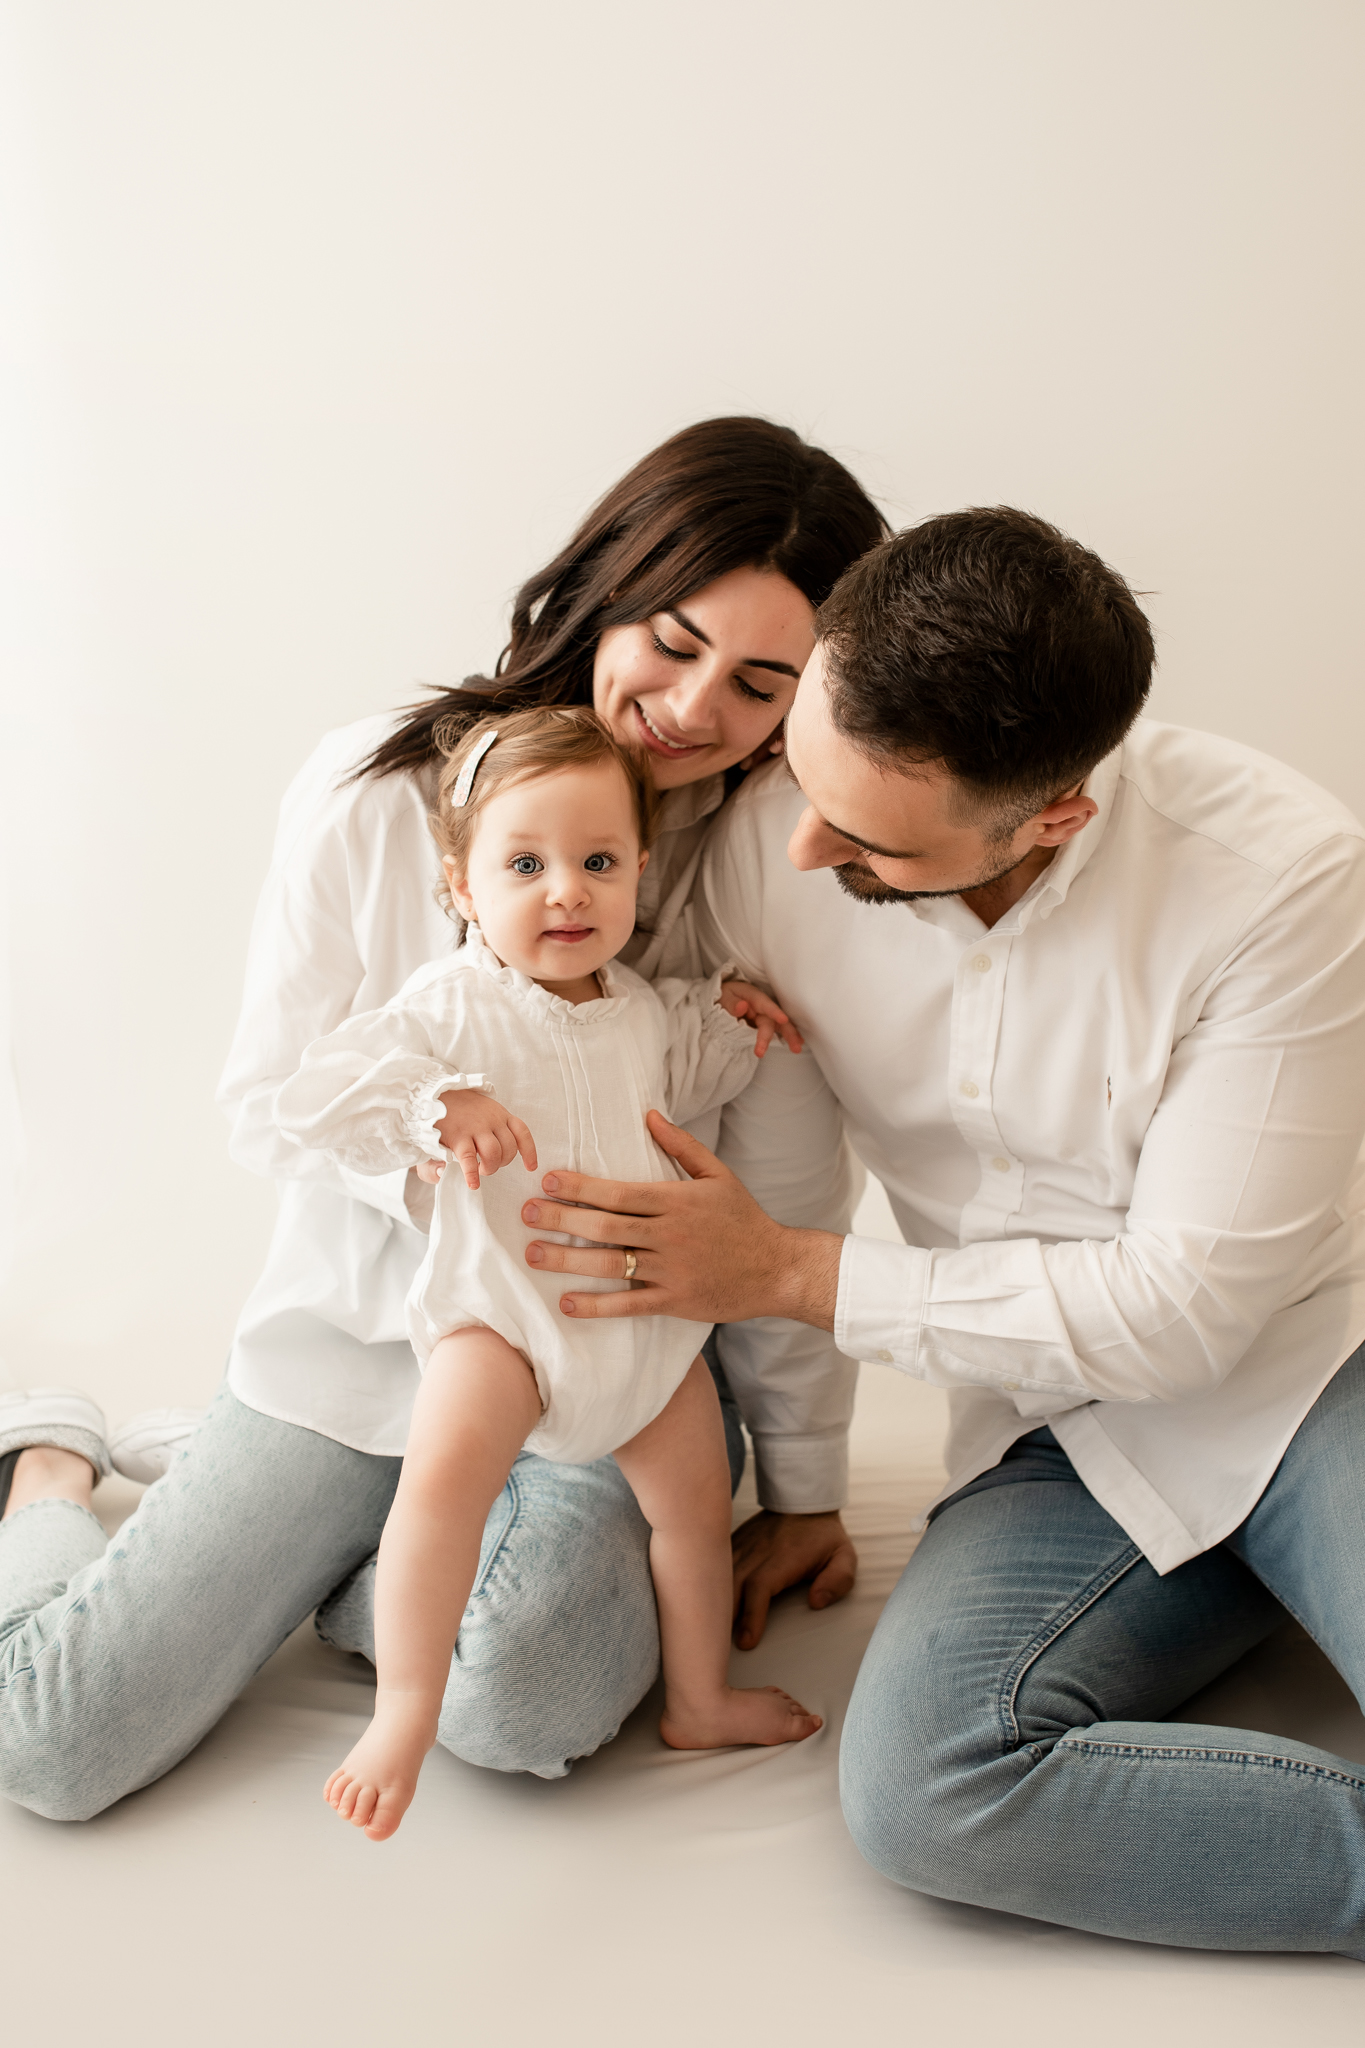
[725,494]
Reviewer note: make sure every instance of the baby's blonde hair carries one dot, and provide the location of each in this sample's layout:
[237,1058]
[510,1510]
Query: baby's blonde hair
[530,744]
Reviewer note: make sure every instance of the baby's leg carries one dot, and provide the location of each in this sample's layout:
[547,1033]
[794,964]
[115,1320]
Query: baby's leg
[680,1476]
[476,1406]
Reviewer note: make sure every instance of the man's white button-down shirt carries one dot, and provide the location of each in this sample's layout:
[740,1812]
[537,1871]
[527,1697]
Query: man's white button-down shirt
[1120,1131]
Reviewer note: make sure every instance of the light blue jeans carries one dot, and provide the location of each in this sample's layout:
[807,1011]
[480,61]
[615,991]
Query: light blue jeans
[116,1660]
[1006,1745]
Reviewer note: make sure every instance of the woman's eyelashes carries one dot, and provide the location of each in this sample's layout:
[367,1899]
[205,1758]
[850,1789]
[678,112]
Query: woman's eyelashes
[670,653]
[685,654]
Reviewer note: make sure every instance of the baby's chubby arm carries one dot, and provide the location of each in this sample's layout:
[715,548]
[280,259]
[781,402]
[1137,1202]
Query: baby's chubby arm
[481,1135]
[741,999]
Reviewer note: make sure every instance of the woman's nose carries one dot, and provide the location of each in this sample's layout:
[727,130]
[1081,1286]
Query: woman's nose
[691,702]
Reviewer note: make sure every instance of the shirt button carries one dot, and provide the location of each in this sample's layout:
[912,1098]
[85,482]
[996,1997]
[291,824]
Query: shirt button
[970,1088]
[1009,1386]
[884,1358]
[982,963]
[1001,1165]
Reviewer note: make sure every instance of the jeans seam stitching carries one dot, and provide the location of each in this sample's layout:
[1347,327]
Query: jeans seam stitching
[1029,1655]
[513,1518]
[1193,1753]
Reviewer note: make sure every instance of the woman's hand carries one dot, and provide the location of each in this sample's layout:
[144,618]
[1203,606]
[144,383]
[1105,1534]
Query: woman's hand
[772,1552]
[741,999]
[482,1135]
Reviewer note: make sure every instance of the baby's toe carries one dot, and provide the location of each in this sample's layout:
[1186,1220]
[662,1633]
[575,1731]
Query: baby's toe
[384,1821]
[367,1798]
[801,1721]
[346,1797]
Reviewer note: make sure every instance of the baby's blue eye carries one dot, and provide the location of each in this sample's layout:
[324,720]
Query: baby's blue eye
[526,864]
[598,863]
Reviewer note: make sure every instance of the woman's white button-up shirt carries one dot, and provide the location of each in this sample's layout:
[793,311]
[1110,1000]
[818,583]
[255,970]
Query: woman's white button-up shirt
[1120,1131]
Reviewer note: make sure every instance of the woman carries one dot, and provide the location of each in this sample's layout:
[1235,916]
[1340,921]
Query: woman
[682,609]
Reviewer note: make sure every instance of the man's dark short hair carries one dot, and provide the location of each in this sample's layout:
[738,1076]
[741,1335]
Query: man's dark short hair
[992,643]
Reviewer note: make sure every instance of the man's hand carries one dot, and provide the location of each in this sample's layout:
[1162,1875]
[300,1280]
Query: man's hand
[741,999]
[482,1135]
[772,1552]
[704,1250]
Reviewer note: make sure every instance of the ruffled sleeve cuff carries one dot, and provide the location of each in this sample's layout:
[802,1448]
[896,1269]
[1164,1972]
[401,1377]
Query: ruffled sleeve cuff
[425,1108]
[716,1018]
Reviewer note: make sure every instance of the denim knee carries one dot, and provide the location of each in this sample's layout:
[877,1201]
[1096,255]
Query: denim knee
[906,1785]
[548,1667]
[45,1767]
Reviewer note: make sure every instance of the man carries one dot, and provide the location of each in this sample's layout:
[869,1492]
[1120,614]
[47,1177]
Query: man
[1088,996]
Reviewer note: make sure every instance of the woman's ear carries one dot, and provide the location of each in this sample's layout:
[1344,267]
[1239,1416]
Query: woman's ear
[772,745]
[459,891]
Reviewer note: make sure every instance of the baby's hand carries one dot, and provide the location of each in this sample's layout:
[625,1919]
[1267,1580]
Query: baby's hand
[482,1135]
[741,999]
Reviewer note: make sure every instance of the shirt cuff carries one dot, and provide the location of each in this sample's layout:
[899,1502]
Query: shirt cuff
[802,1475]
[426,1109]
[714,1011]
[880,1307]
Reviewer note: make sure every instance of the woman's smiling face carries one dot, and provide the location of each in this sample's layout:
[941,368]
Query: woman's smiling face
[706,683]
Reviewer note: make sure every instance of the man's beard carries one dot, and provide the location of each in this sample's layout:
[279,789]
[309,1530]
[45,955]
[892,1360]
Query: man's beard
[864,887]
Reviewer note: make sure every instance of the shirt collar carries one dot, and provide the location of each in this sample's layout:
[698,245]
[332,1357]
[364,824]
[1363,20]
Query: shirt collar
[1053,885]
[691,803]
[485,961]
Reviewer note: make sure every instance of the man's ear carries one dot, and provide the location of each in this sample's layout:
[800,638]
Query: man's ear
[459,891]
[1064,819]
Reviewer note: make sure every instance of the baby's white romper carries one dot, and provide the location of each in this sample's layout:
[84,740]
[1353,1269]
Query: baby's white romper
[581,1076]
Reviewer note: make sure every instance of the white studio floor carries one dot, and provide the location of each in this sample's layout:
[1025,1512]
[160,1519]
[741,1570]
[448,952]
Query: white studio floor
[650,1898]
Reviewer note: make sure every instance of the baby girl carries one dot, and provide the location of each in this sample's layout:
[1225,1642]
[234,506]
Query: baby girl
[530,1042]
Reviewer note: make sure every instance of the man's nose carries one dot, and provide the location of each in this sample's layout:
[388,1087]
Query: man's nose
[814,844]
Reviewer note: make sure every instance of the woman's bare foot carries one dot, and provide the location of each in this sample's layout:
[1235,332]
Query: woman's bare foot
[373,1789]
[759,1714]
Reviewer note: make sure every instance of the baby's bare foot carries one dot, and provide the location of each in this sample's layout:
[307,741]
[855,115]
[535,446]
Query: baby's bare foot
[761,1714]
[373,1789]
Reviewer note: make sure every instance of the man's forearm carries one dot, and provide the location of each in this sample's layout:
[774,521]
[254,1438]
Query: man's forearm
[805,1276]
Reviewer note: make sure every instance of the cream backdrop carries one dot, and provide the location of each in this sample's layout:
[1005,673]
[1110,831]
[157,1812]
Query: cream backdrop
[329,317]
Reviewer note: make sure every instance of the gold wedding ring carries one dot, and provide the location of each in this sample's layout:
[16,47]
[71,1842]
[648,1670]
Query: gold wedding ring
[630,1266]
